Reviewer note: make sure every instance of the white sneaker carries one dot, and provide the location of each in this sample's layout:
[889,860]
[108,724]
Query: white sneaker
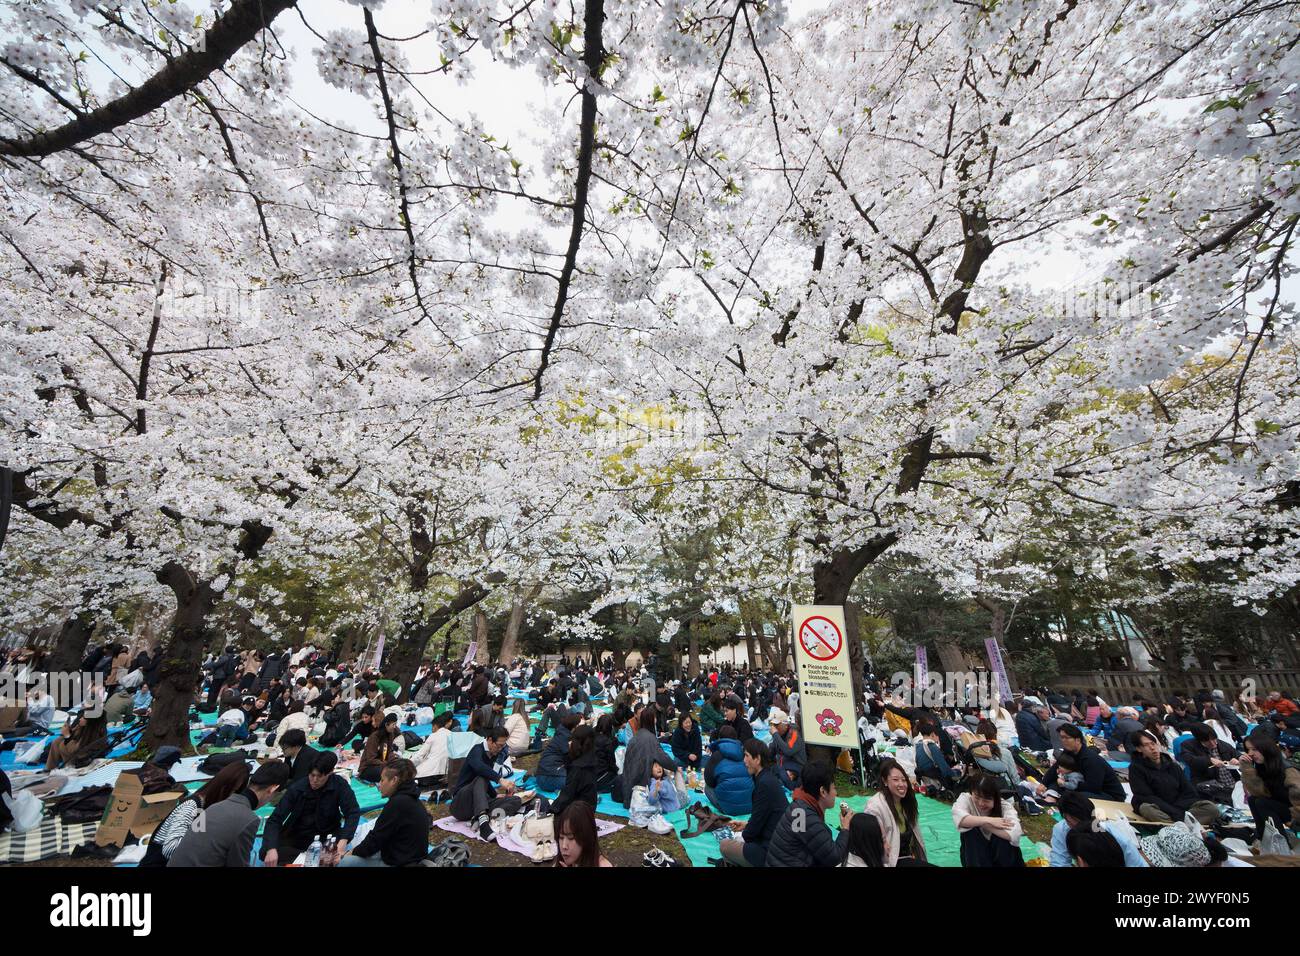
[659,825]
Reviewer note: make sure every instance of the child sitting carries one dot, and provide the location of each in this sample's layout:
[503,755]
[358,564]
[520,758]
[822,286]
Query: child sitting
[661,792]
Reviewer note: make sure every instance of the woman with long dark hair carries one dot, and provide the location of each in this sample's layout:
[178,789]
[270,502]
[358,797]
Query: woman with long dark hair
[866,845]
[896,809]
[576,838]
[79,737]
[229,780]
[604,747]
[580,776]
[1272,787]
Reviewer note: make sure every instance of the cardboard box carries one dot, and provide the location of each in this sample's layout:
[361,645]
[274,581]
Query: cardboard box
[131,811]
[10,716]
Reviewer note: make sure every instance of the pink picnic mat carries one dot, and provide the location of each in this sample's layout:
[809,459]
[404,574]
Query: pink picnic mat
[507,841]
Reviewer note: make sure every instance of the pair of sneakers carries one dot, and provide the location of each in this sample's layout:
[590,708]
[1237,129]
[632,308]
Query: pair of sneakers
[544,851]
[656,857]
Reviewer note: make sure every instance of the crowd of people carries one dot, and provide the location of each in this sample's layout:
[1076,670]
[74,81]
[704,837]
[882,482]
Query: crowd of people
[647,741]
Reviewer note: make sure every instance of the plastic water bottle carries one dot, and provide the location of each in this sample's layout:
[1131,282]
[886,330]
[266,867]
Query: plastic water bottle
[313,852]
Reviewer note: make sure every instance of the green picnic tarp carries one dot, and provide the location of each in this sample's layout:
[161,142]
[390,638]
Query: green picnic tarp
[942,844]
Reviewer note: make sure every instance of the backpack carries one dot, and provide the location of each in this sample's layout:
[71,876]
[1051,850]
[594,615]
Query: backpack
[411,739]
[214,763]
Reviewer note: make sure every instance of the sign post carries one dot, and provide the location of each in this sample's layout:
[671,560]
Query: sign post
[827,710]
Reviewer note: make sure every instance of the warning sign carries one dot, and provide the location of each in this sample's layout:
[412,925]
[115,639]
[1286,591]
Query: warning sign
[820,638]
[826,709]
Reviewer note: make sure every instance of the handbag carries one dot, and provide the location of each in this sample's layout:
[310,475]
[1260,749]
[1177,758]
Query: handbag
[537,829]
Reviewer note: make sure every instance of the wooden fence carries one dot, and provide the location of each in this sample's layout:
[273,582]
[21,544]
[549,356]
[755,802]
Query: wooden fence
[1125,686]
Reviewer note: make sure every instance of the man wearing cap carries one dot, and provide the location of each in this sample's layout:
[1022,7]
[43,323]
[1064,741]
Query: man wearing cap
[320,805]
[788,748]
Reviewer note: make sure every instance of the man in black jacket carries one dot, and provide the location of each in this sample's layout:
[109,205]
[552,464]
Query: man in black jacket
[1100,782]
[477,786]
[1162,792]
[401,834]
[769,807]
[801,837]
[321,805]
[300,758]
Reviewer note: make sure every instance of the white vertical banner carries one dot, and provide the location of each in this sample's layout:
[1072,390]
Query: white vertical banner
[827,714]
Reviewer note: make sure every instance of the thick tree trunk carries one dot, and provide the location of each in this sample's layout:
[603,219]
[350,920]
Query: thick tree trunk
[481,635]
[179,675]
[518,608]
[750,650]
[415,635]
[857,660]
[692,651]
[70,649]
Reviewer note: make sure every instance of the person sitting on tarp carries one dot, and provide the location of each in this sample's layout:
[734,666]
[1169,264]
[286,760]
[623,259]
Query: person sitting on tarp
[481,787]
[643,750]
[1077,814]
[988,825]
[930,761]
[381,747]
[552,767]
[400,837]
[583,770]
[733,711]
[81,740]
[801,837]
[1031,729]
[223,834]
[1162,791]
[727,781]
[1099,779]
[322,805]
[789,749]
[299,757]
[167,836]
[711,714]
[432,758]
[768,804]
[688,745]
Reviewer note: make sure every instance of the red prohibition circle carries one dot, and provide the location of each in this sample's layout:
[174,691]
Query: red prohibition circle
[816,642]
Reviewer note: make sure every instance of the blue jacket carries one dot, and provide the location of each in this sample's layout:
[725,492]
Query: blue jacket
[1060,855]
[555,757]
[930,762]
[726,774]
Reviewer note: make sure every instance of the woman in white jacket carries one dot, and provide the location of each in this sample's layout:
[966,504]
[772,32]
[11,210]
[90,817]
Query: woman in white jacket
[989,826]
[517,726]
[432,757]
[896,810]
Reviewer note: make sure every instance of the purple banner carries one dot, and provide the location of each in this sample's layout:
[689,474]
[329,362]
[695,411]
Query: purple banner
[379,653]
[995,661]
[922,667]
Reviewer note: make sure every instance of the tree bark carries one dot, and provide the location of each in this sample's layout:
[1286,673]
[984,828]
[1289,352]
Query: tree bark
[179,675]
[415,634]
[237,26]
[692,650]
[750,650]
[481,635]
[518,607]
[70,649]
